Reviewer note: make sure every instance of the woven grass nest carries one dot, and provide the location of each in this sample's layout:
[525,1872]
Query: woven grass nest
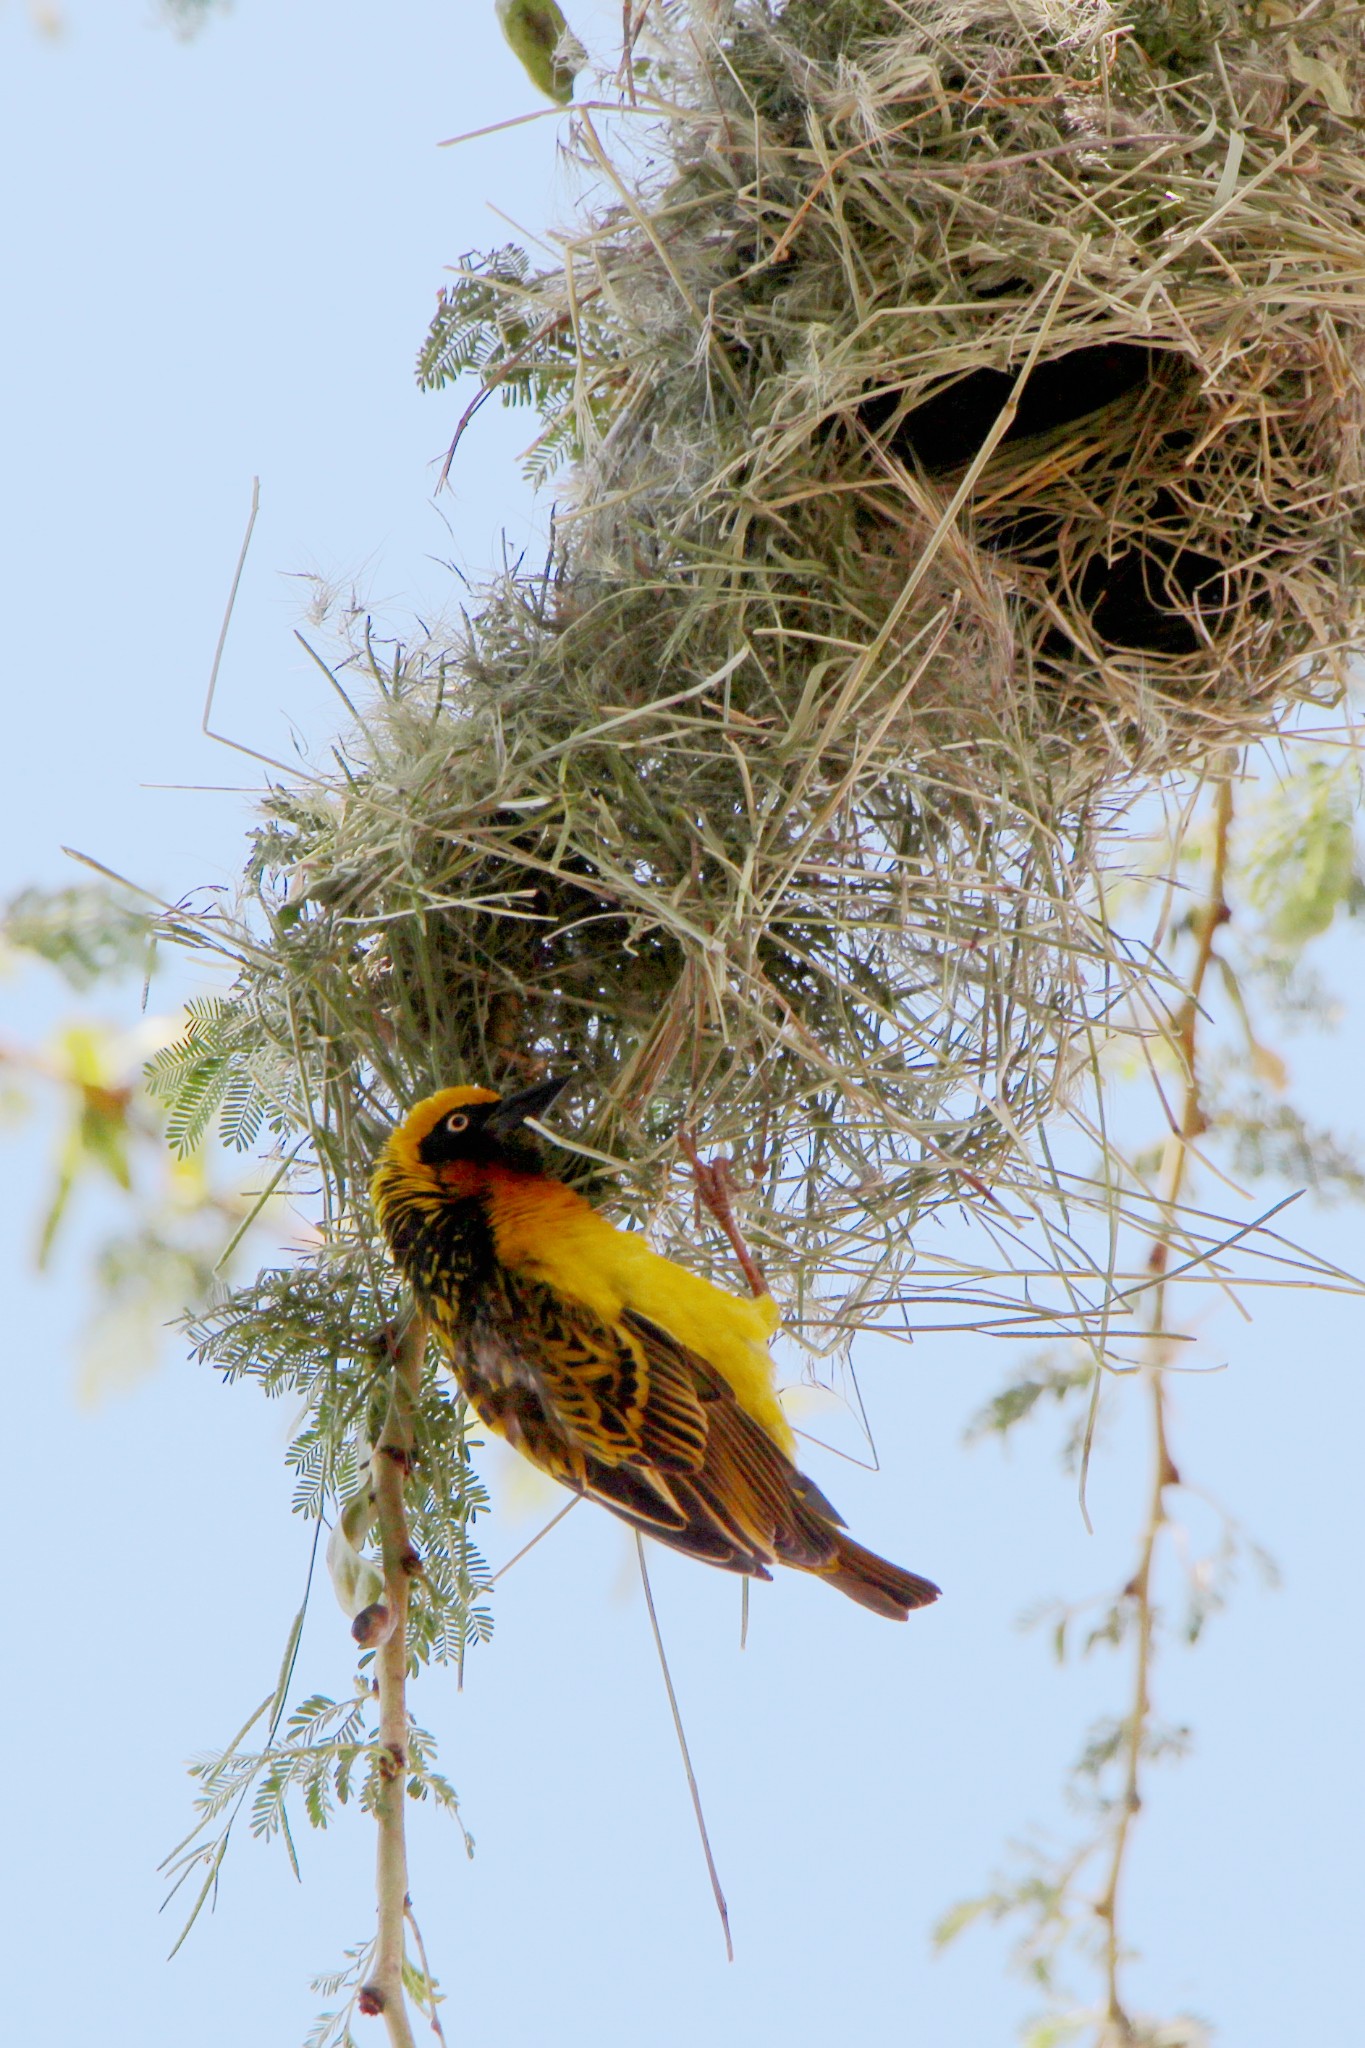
[962,406]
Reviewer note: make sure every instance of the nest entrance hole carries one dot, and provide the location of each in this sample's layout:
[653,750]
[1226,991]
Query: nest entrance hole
[1149,594]
[1151,597]
[944,433]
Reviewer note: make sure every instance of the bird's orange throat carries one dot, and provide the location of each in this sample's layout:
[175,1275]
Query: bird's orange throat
[462,1179]
[501,1187]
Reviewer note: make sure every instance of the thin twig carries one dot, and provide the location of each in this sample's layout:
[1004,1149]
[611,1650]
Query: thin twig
[712,1872]
[428,1980]
[231,605]
[1119,2027]
[479,399]
[540,1535]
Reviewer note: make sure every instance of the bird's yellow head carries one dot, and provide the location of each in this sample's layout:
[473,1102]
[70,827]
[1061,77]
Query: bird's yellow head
[446,1135]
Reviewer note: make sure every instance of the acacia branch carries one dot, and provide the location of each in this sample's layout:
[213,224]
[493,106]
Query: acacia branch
[1214,913]
[383,1994]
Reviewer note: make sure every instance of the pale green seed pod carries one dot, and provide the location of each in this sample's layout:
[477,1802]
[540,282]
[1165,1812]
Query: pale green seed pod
[550,53]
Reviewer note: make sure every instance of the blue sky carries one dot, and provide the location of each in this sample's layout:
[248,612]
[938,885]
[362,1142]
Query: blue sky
[221,259]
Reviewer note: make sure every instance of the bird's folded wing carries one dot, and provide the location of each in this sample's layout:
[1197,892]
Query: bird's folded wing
[747,1482]
[635,1417]
[619,1401]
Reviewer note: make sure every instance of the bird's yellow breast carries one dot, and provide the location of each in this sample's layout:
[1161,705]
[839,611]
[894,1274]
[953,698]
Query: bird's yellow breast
[542,1228]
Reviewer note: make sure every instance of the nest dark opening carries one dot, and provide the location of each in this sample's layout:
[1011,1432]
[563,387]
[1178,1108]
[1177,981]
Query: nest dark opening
[1100,426]
[946,431]
[1153,596]
[1145,594]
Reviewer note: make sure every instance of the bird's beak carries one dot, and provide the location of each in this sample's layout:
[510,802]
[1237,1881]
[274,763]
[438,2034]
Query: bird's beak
[511,1113]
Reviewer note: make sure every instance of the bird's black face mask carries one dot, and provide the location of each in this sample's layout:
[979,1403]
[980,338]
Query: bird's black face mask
[484,1132]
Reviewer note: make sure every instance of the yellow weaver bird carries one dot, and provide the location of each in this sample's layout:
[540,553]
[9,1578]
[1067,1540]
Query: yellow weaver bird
[619,1373]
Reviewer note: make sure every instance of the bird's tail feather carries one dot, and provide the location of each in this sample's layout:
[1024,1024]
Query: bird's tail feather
[874,1582]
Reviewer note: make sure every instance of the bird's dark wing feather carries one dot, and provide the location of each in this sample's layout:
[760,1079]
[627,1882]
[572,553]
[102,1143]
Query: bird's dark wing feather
[514,1393]
[747,1480]
[632,1417]
[618,1403]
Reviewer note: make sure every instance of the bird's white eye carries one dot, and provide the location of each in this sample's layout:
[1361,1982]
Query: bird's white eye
[456,1122]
